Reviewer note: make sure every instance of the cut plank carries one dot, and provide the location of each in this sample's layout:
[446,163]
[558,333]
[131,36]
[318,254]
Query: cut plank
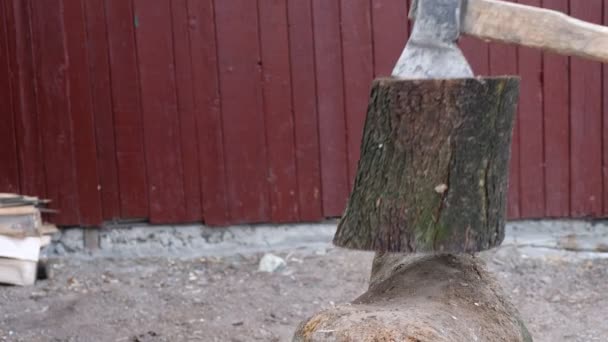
[532,192]
[85,158]
[358,66]
[159,106]
[186,108]
[306,120]
[390,32]
[14,200]
[97,38]
[22,210]
[212,168]
[48,229]
[24,249]
[556,88]
[278,111]
[242,110]
[20,221]
[5,195]
[586,123]
[18,272]
[22,227]
[126,106]
[330,102]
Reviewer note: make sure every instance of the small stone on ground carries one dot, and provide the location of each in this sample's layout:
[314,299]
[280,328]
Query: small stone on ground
[271,263]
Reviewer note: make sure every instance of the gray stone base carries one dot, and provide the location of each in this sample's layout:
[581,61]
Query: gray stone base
[193,240]
[140,240]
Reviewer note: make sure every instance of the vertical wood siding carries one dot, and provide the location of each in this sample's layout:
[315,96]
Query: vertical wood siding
[586,124]
[126,108]
[9,172]
[251,111]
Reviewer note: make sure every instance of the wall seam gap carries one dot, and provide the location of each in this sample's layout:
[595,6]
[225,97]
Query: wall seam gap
[227,205]
[292,112]
[314,46]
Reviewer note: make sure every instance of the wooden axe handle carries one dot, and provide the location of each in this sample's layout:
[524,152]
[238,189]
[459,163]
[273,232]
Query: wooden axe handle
[512,23]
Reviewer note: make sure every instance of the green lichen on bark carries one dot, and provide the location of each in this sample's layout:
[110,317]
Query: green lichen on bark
[433,168]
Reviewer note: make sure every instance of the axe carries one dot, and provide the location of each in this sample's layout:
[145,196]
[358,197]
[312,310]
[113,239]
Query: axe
[431,51]
[433,172]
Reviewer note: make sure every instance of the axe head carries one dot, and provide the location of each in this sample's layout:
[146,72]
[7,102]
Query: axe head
[431,51]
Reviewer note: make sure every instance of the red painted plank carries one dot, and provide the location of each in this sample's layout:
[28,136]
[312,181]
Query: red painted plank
[27,132]
[605,122]
[186,107]
[477,53]
[305,109]
[278,110]
[503,61]
[390,32]
[9,169]
[330,102]
[557,127]
[85,159]
[242,112]
[102,107]
[54,104]
[586,123]
[159,105]
[208,112]
[358,64]
[532,192]
[128,120]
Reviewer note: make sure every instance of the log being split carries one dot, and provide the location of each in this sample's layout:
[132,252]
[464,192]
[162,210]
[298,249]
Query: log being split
[433,169]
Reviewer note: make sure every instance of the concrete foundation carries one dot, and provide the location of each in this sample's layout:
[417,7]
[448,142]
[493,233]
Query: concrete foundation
[192,240]
[140,240]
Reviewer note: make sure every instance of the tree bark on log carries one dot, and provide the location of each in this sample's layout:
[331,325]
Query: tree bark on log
[433,171]
[421,298]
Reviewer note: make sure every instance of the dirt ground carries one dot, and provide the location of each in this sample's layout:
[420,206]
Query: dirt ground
[562,297]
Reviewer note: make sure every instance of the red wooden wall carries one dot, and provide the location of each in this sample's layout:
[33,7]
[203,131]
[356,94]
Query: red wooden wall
[238,111]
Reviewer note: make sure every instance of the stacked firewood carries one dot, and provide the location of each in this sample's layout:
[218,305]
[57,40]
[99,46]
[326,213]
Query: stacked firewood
[22,235]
